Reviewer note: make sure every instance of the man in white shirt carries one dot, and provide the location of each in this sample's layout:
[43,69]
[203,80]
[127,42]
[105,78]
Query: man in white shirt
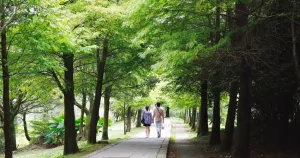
[158,116]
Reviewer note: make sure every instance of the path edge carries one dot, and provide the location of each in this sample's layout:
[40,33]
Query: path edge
[163,150]
[104,148]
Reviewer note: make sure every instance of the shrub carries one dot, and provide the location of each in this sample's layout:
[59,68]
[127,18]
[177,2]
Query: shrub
[52,132]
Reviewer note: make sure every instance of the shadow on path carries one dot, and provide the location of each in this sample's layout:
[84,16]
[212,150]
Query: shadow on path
[138,146]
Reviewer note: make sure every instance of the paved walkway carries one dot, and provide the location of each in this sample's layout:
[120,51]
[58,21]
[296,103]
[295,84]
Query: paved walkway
[138,146]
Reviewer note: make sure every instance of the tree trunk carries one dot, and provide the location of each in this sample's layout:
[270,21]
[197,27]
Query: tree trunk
[106,112]
[70,143]
[190,117]
[194,118]
[138,120]
[5,80]
[124,117]
[242,141]
[229,128]
[294,41]
[203,118]
[185,116]
[128,119]
[168,112]
[13,135]
[133,116]
[82,113]
[242,138]
[95,109]
[88,122]
[25,127]
[215,134]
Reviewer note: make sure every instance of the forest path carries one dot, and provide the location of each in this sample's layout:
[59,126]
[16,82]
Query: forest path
[184,148]
[138,146]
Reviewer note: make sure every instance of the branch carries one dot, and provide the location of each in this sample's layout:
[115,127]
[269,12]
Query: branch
[86,111]
[10,19]
[57,81]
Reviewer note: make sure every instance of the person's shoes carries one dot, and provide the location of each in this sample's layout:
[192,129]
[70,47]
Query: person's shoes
[158,136]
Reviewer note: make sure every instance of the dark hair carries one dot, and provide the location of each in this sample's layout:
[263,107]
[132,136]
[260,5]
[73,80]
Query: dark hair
[147,108]
[158,104]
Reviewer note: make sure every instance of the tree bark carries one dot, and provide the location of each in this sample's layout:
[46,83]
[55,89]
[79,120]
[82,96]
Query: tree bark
[13,135]
[229,128]
[82,113]
[106,113]
[5,80]
[168,112]
[138,120]
[128,129]
[194,118]
[215,134]
[25,127]
[92,133]
[70,143]
[242,138]
[203,124]
[242,141]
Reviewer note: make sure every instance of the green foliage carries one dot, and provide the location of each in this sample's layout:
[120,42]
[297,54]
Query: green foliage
[55,133]
[2,145]
[101,123]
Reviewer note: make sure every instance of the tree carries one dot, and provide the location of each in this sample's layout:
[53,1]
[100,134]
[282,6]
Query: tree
[242,139]
[95,108]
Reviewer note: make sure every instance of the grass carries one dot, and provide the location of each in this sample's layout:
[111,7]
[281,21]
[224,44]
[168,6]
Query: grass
[116,134]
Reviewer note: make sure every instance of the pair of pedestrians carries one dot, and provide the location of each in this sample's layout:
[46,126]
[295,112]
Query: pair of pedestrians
[158,117]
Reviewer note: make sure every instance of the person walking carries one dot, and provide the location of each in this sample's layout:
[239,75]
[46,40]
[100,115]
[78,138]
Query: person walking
[158,116]
[147,120]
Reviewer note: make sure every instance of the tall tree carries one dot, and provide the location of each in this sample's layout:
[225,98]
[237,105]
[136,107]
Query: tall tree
[101,61]
[242,138]
[5,79]
[70,143]
[216,90]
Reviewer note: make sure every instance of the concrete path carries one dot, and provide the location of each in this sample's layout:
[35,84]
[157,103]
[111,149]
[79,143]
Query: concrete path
[184,147]
[138,146]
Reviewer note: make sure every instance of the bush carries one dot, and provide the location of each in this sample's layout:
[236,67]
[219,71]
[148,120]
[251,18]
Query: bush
[101,122]
[52,133]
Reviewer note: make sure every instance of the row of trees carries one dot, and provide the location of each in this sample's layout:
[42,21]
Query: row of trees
[244,48]
[69,49]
